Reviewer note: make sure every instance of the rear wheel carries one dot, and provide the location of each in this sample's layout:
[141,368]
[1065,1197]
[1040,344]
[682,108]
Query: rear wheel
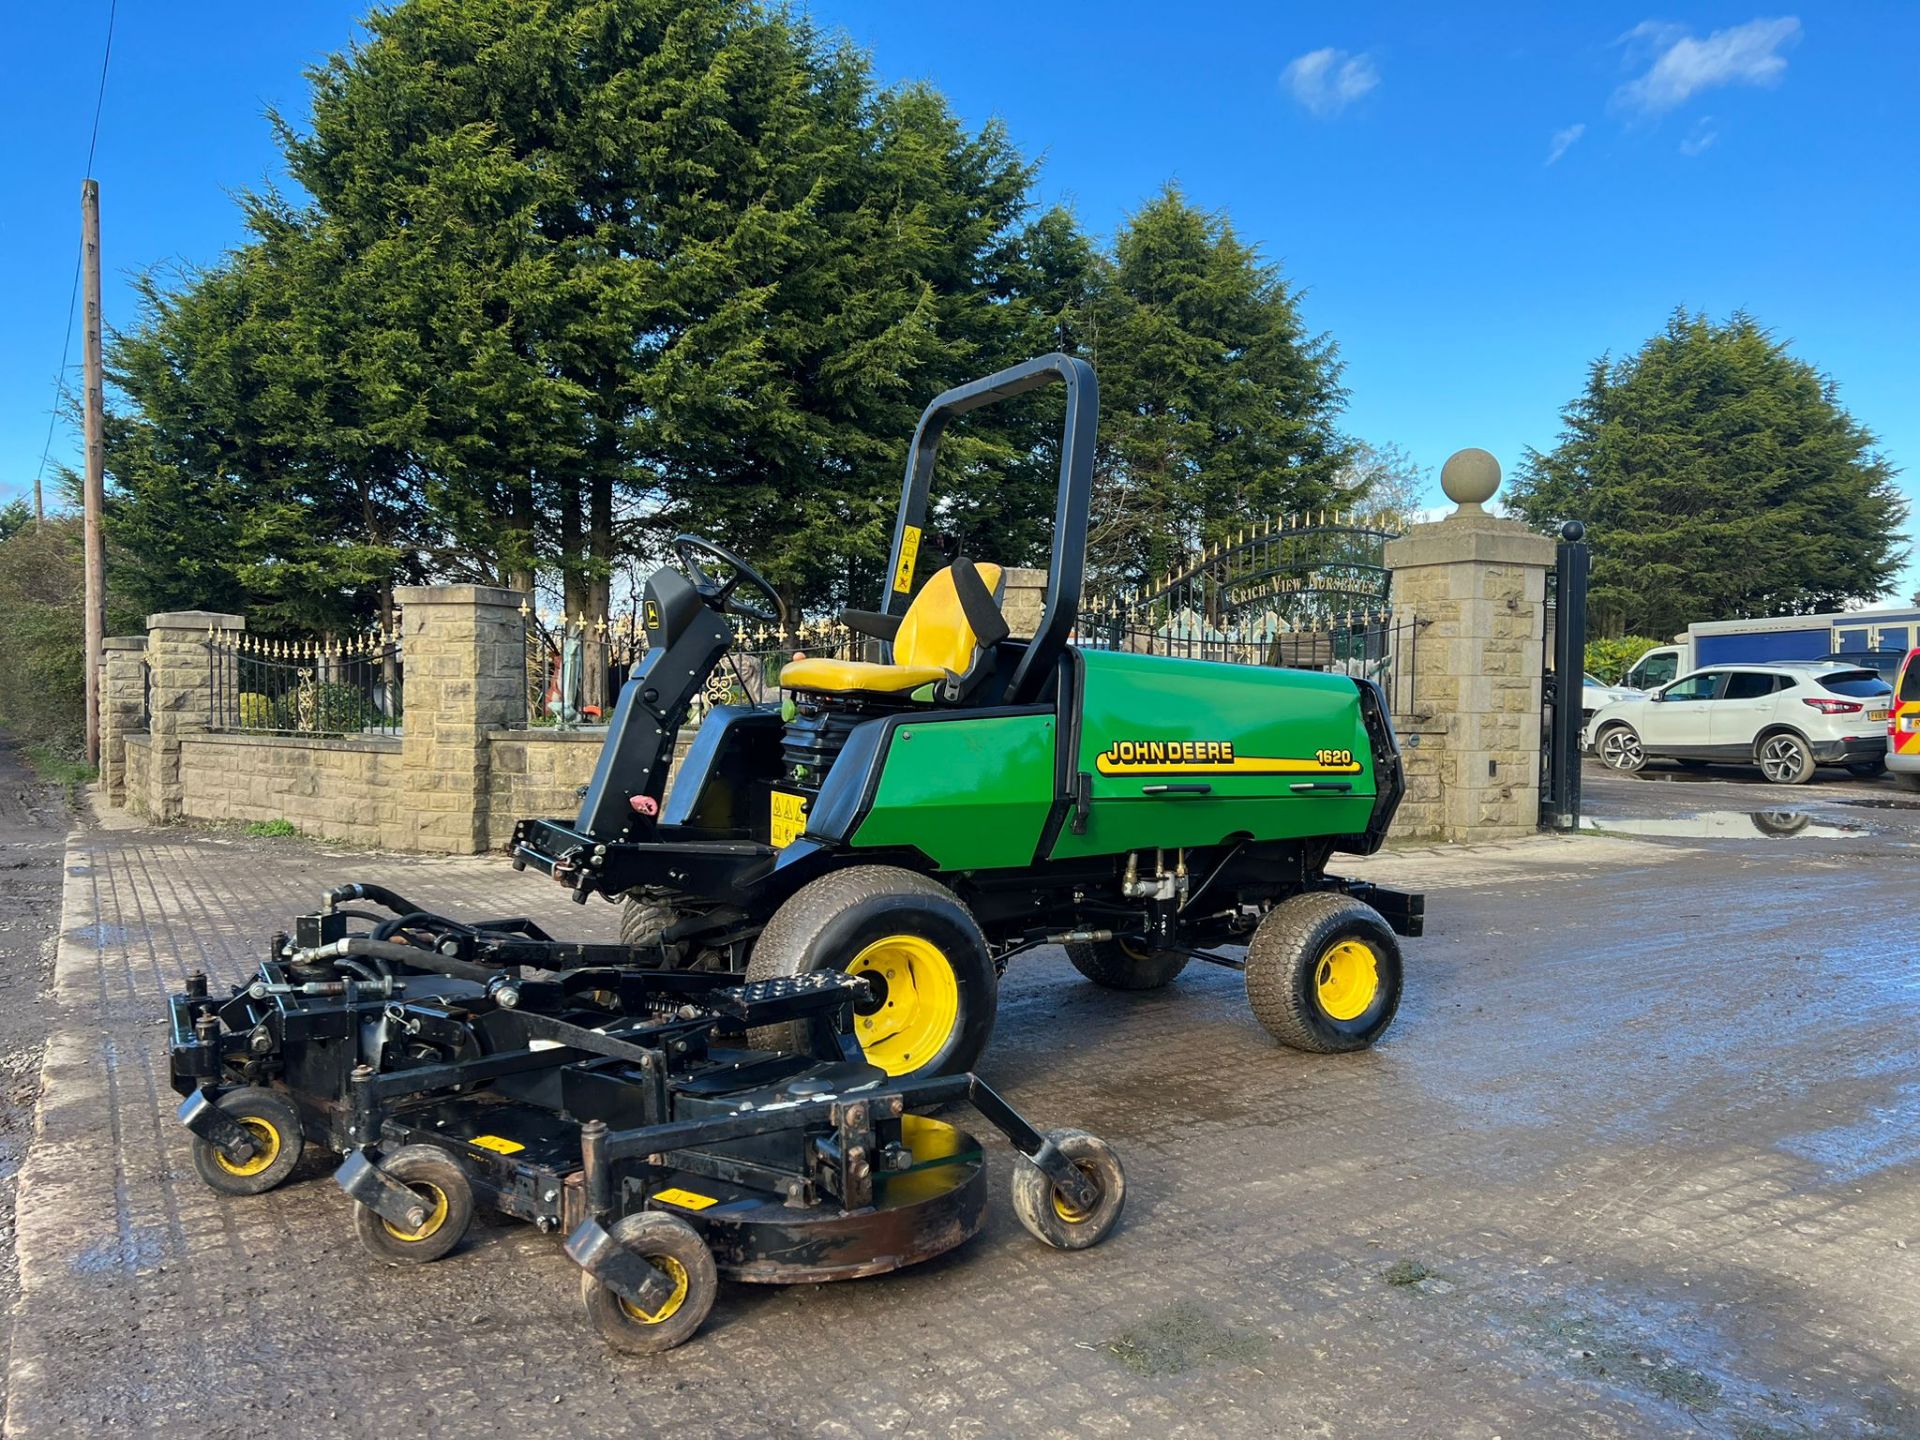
[1620,749]
[1125,964]
[674,1247]
[1323,973]
[643,917]
[933,982]
[1785,759]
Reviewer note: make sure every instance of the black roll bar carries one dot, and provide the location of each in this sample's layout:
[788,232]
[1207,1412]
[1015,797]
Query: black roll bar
[1068,568]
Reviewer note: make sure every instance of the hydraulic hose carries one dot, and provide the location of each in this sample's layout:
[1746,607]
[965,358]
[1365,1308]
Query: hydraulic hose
[412,955]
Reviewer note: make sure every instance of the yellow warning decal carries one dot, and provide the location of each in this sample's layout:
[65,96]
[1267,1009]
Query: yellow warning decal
[909,552]
[686,1199]
[499,1144]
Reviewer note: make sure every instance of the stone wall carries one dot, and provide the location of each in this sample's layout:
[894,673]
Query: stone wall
[453,782]
[537,773]
[339,789]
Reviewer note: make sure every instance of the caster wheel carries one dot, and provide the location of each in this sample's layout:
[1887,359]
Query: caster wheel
[278,1137]
[436,1178]
[1046,1213]
[670,1244]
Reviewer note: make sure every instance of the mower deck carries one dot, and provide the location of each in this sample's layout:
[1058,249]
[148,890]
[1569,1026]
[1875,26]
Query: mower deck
[612,1104]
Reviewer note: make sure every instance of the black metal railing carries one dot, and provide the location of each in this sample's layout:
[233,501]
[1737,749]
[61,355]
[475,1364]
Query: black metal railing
[305,687]
[561,653]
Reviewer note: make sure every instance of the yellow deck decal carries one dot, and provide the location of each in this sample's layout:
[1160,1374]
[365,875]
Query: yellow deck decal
[685,1199]
[909,552]
[499,1144]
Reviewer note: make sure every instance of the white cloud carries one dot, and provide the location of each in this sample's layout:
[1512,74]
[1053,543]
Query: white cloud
[1563,141]
[1700,138]
[1683,65]
[1327,81]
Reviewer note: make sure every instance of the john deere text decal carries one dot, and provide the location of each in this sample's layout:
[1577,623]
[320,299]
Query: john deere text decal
[1215,757]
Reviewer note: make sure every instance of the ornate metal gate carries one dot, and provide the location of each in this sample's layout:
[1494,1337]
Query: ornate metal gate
[1309,592]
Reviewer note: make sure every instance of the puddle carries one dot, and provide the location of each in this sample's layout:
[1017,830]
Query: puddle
[1726,825]
[1885,1138]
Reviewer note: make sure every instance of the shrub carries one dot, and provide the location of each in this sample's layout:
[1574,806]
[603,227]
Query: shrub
[1609,660]
[256,711]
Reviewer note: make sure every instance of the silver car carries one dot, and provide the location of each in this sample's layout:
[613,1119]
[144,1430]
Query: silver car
[1787,718]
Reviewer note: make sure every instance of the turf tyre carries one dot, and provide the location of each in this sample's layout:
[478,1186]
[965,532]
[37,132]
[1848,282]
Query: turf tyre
[1285,970]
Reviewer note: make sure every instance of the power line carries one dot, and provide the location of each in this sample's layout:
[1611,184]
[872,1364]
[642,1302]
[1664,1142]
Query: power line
[73,294]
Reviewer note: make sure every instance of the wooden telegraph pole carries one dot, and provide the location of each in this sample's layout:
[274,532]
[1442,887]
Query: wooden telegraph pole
[94,493]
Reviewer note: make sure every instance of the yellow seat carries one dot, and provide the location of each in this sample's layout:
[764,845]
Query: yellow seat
[934,641]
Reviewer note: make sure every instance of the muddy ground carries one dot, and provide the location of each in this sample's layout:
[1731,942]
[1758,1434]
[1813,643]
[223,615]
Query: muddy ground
[34,819]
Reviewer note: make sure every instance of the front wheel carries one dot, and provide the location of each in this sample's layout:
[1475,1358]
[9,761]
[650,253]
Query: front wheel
[1785,759]
[933,987]
[1323,973]
[1620,749]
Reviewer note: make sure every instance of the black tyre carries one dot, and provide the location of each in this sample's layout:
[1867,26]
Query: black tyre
[935,990]
[672,1245]
[436,1177]
[1784,758]
[278,1138]
[1620,749]
[643,917]
[1908,780]
[1323,973]
[1046,1213]
[1125,965]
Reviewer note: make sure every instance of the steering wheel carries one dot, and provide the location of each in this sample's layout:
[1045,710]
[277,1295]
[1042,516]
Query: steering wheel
[719,593]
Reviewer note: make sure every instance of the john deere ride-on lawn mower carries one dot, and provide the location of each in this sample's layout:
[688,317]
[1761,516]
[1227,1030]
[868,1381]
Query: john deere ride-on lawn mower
[815,923]
[919,819]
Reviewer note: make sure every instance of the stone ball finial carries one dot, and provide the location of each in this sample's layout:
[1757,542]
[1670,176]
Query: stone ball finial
[1470,477]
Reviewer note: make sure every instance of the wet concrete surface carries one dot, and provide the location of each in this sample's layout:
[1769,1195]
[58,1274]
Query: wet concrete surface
[34,820]
[1638,1159]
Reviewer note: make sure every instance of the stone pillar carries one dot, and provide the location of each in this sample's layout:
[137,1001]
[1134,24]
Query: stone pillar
[464,660]
[1477,584]
[123,709]
[179,698]
[1023,600]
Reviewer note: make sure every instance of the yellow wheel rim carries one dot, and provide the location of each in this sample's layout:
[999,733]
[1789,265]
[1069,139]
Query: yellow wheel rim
[1346,979]
[266,1148]
[920,1008]
[1070,1213]
[436,1217]
[678,1274]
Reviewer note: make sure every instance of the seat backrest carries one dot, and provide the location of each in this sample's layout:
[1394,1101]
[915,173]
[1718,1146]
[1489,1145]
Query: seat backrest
[934,631]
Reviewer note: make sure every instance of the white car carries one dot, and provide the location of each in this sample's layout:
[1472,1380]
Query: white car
[1786,718]
[1596,694]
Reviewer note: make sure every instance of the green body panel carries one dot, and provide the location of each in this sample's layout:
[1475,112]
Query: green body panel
[1302,724]
[970,794]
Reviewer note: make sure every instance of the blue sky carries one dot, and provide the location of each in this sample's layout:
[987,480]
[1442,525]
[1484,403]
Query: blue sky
[1476,200]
